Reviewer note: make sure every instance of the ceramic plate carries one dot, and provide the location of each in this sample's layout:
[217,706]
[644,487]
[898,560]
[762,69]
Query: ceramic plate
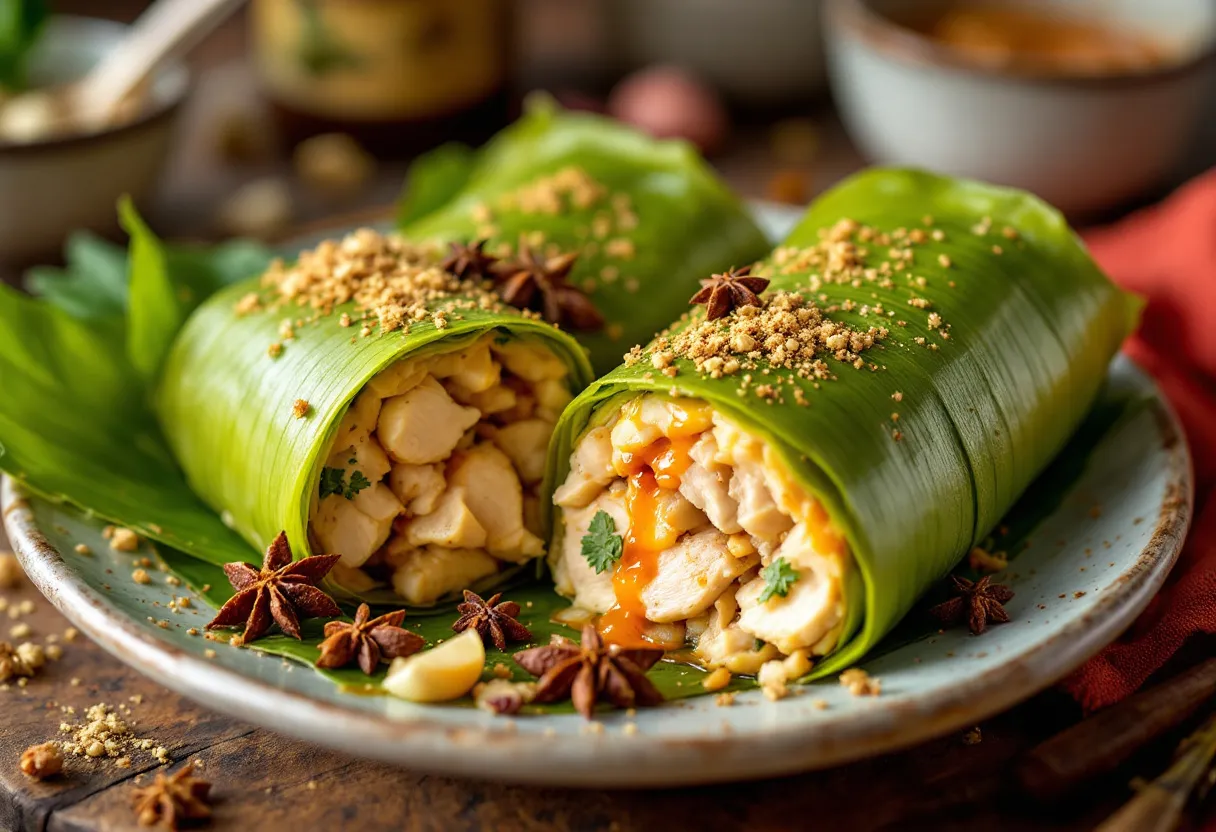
[1089,544]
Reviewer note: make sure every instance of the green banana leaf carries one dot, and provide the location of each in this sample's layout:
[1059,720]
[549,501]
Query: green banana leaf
[1032,330]
[21,24]
[688,224]
[75,421]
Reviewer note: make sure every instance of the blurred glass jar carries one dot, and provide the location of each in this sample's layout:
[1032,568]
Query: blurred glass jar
[398,75]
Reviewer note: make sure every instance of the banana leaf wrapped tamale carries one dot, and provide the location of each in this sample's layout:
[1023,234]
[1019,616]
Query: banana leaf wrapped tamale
[642,220]
[391,398]
[783,471]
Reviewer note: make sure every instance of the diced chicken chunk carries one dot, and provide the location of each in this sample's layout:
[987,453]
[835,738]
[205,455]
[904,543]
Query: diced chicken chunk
[691,575]
[472,368]
[451,524]
[531,362]
[359,421]
[572,575]
[423,576]
[758,512]
[423,425]
[495,496]
[811,610]
[590,469]
[674,515]
[724,644]
[397,379]
[378,502]
[498,399]
[705,484]
[419,487]
[342,529]
[525,444]
[552,396]
[366,457]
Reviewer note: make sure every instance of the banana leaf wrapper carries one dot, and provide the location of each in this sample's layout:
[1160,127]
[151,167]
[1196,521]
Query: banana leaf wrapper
[1031,330]
[647,218]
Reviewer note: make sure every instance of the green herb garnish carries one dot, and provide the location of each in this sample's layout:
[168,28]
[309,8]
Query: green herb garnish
[331,482]
[778,576]
[602,546]
[358,482]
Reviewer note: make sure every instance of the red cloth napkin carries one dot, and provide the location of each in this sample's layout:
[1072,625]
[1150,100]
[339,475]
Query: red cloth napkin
[1167,253]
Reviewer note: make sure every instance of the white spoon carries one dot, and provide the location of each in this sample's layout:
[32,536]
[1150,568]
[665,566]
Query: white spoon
[168,28]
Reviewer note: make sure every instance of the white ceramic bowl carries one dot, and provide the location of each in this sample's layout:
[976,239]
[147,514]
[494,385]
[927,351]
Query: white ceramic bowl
[52,187]
[1083,144]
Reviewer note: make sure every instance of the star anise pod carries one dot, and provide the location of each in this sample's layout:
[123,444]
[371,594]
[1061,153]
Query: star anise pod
[722,293]
[368,641]
[495,622]
[531,281]
[977,603]
[468,260]
[588,671]
[169,800]
[281,591]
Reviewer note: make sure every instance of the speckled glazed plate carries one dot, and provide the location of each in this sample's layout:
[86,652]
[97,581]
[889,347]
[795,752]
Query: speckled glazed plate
[1089,544]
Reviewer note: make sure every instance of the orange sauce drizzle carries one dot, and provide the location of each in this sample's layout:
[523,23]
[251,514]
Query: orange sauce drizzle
[657,467]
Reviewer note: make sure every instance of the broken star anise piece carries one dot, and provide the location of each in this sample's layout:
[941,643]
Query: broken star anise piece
[172,799]
[978,603]
[532,281]
[367,641]
[494,621]
[281,591]
[469,260]
[589,671]
[722,293]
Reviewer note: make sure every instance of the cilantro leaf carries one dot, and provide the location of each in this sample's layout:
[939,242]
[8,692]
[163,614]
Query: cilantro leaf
[602,546]
[778,576]
[358,482]
[331,482]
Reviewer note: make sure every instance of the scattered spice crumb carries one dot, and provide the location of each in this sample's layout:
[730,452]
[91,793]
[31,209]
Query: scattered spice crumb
[39,762]
[123,539]
[973,737]
[21,630]
[984,561]
[141,576]
[1080,593]
[724,700]
[860,683]
[819,704]
[300,408]
[82,549]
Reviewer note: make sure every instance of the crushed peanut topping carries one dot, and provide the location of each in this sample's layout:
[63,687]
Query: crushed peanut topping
[123,540]
[860,683]
[391,282]
[787,332]
[106,734]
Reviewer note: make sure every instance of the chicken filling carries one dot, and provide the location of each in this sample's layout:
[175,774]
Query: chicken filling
[721,548]
[431,482]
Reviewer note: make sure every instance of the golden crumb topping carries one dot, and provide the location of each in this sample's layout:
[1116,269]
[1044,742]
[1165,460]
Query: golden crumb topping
[392,284]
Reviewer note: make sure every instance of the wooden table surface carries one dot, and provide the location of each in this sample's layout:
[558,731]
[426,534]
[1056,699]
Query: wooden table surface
[269,782]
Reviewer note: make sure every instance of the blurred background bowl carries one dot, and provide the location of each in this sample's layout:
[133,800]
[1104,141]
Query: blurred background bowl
[1083,143]
[49,188]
